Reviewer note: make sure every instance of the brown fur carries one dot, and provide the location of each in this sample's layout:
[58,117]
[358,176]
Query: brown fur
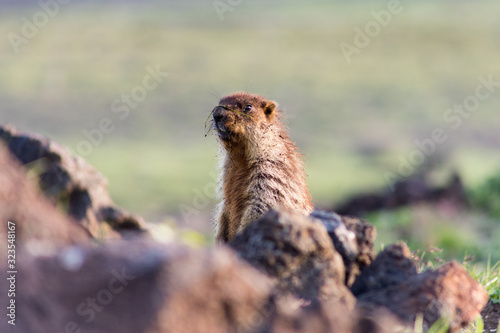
[261,167]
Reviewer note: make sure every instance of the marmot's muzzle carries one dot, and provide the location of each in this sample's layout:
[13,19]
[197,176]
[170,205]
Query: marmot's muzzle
[220,118]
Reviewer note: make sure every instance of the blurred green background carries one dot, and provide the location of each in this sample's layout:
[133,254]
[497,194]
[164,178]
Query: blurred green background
[353,121]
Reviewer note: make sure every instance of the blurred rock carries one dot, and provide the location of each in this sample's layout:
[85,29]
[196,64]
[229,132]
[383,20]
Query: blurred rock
[379,320]
[318,317]
[353,239]
[139,287]
[412,190]
[297,252]
[69,180]
[392,266]
[447,292]
[37,223]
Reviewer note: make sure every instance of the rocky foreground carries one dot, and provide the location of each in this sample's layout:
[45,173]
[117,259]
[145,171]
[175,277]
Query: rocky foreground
[84,265]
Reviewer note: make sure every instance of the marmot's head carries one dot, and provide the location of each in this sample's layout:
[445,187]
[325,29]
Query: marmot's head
[240,115]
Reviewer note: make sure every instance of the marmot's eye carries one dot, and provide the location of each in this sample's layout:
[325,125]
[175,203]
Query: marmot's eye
[248,107]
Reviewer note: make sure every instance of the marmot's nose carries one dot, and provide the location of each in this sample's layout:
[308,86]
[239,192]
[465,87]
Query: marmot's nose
[218,114]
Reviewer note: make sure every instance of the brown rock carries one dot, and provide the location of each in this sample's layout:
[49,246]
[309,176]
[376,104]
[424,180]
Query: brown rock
[318,317]
[222,292]
[143,287]
[365,237]
[353,238]
[392,266]
[379,320]
[447,292]
[297,252]
[139,287]
[409,191]
[329,317]
[38,225]
[70,181]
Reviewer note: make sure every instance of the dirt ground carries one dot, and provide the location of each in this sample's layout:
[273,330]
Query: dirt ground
[491,316]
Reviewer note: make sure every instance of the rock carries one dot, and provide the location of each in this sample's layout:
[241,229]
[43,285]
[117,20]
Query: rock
[447,292]
[71,181]
[38,225]
[139,287]
[297,252]
[329,317]
[379,320]
[405,192]
[222,293]
[353,238]
[318,317]
[392,266]
[142,287]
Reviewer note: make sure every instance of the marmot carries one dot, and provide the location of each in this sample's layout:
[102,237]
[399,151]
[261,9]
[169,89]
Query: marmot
[261,166]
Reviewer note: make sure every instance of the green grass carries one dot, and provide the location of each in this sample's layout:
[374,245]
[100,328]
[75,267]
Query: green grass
[456,233]
[396,89]
[486,197]
[155,179]
[489,277]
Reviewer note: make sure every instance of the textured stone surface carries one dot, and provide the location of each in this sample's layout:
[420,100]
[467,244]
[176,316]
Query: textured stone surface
[447,292]
[297,252]
[392,266]
[353,238]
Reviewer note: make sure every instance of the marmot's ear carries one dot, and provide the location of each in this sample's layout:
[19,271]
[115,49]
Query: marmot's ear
[269,109]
